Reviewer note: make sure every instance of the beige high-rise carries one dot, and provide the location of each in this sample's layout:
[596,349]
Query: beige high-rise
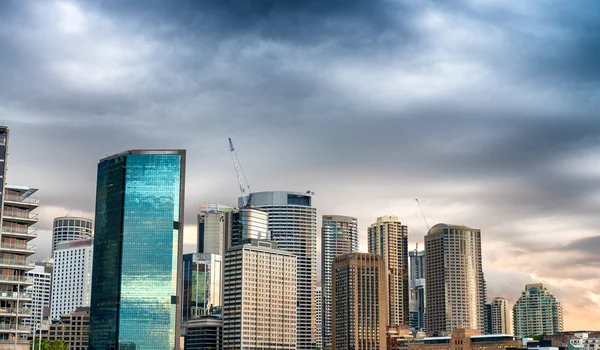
[455,286]
[500,317]
[259,302]
[359,303]
[389,239]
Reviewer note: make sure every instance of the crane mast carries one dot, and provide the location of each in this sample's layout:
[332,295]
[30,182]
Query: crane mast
[244,188]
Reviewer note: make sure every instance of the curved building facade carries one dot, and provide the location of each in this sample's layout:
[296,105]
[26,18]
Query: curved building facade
[455,286]
[537,312]
[67,229]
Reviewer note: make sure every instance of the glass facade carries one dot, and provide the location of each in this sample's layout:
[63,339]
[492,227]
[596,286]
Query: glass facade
[201,293]
[3,154]
[137,244]
[248,223]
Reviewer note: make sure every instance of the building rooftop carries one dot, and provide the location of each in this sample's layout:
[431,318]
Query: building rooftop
[24,191]
[441,226]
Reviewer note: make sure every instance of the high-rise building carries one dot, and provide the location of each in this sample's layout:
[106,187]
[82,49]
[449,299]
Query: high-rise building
[360,302]
[319,316]
[66,229]
[40,294]
[138,240]
[537,312]
[204,333]
[249,223]
[15,281]
[293,225]
[417,265]
[202,292]
[73,328]
[214,225]
[487,319]
[499,316]
[3,161]
[72,277]
[455,290]
[339,235]
[389,238]
[417,289]
[259,304]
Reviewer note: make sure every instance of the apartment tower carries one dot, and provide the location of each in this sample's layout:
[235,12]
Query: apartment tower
[455,286]
[259,304]
[537,312]
[293,225]
[499,316]
[360,302]
[339,235]
[66,229]
[72,277]
[138,239]
[319,316]
[389,239]
[40,294]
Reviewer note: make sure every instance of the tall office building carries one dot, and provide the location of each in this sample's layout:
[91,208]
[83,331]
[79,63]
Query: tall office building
[214,225]
[417,289]
[293,225]
[417,265]
[498,316]
[72,277]
[360,302]
[138,240]
[40,295]
[202,292]
[319,316]
[339,235]
[259,304]
[66,229]
[249,223]
[389,238]
[537,312]
[455,286]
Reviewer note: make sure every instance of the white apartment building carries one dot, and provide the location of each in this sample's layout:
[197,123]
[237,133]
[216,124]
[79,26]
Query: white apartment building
[71,285]
[40,294]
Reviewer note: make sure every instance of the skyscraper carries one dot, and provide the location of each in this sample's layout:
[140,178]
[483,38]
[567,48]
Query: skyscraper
[214,225]
[249,223]
[40,295]
[537,312]
[339,235]
[72,277]
[66,229]
[499,317]
[417,265]
[202,292]
[293,225]
[259,310]
[455,287]
[137,250]
[319,316]
[360,303]
[389,238]
[417,289]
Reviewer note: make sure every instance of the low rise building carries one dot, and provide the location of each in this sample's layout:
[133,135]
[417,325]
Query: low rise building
[583,341]
[204,333]
[73,329]
[468,339]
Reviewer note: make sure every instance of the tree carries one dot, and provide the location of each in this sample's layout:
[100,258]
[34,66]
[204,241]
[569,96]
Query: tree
[58,345]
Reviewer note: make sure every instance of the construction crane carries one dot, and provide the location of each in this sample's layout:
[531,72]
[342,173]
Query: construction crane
[244,188]
[421,209]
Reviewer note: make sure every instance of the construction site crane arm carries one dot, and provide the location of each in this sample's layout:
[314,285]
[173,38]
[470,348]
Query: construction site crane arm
[243,183]
[421,209]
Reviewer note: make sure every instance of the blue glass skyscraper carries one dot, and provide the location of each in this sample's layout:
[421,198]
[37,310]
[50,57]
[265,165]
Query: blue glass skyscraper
[137,250]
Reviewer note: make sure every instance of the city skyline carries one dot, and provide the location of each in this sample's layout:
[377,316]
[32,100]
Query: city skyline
[349,114]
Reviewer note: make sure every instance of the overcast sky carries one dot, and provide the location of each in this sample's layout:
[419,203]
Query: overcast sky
[485,110]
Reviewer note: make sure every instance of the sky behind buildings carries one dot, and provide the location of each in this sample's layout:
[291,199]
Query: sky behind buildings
[485,110]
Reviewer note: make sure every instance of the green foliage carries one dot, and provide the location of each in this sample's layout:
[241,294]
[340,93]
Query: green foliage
[47,345]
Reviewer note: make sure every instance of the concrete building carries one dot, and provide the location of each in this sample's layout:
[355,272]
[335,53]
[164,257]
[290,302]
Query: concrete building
[360,302]
[72,277]
[455,285]
[583,341]
[389,238]
[138,240]
[249,223]
[40,293]
[319,316]
[339,235]
[202,290]
[398,337]
[214,225]
[67,229]
[260,297]
[72,328]
[293,225]
[537,312]
[204,333]
[468,339]
[499,318]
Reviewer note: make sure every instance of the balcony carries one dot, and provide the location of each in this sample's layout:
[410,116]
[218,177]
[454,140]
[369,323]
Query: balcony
[15,295]
[18,201]
[8,328]
[11,311]
[17,248]
[29,234]
[5,279]
[14,263]
[20,216]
